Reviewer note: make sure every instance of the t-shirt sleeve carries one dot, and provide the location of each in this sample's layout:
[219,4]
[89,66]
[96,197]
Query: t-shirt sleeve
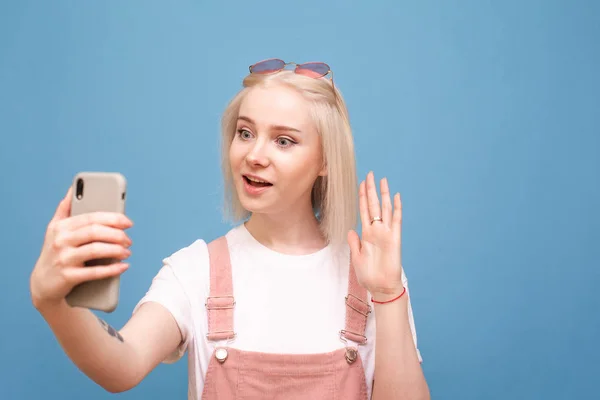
[411,318]
[168,290]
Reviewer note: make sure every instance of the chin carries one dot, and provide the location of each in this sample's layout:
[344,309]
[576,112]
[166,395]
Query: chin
[254,206]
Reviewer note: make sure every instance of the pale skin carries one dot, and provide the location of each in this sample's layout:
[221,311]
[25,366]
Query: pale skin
[280,144]
[282,219]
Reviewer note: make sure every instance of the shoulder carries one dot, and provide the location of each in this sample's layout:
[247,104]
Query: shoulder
[194,258]
[189,255]
[187,263]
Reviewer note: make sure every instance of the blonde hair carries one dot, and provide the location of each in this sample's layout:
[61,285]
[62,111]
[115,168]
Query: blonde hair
[334,196]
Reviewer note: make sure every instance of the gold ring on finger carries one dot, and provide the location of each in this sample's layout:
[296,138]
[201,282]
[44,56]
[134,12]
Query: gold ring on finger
[376,219]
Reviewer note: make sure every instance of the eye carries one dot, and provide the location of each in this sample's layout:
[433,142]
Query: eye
[285,142]
[244,134]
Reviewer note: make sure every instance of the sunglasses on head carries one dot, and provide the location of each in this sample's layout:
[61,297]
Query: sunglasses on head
[310,69]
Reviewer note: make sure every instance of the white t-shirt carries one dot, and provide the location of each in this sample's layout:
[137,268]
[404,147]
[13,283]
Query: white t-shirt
[292,304]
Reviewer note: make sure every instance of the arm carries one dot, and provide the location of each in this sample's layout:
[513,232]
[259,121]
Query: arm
[398,373]
[377,261]
[115,360]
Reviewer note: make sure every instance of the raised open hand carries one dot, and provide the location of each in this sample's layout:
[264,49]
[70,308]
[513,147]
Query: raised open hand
[376,257]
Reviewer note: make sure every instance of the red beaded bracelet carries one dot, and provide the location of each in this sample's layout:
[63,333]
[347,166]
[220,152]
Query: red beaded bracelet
[389,301]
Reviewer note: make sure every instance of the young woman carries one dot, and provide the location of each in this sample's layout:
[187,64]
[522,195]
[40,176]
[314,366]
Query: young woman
[291,303]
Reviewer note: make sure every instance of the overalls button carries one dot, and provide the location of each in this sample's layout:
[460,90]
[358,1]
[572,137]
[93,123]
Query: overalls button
[221,355]
[351,355]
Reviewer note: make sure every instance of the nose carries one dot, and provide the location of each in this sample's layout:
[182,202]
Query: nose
[257,155]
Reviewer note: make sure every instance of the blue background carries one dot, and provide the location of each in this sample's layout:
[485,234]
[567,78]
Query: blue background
[484,116]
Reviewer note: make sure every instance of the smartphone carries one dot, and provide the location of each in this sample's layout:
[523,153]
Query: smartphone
[97,191]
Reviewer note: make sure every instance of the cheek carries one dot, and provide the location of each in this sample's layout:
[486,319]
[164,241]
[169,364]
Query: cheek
[234,156]
[303,168]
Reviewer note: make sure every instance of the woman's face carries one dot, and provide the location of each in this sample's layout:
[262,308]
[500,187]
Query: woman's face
[276,154]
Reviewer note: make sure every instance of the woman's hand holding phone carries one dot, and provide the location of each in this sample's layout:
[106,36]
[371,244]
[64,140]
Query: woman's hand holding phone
[69,242]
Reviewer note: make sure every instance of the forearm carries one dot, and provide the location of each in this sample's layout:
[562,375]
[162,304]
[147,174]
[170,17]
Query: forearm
[398,373]
[97,349]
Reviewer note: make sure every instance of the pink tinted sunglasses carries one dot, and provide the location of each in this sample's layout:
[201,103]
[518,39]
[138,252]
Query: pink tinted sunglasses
[310,69]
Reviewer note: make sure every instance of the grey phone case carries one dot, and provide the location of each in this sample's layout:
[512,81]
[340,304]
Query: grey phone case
[101,191]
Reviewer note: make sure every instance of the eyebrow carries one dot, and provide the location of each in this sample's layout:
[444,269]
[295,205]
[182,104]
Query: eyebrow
[273,127]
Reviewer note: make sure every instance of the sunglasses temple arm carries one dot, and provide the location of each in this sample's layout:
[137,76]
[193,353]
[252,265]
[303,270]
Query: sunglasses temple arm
[333,84]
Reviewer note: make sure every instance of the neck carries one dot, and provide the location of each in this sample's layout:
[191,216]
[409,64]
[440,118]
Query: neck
[293,233]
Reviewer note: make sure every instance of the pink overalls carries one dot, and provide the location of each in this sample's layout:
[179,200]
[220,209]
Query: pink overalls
[234,374]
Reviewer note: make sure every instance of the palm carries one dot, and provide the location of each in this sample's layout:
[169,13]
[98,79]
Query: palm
[376,257]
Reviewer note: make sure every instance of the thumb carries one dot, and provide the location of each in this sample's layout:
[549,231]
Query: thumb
[64,207]
[354,243]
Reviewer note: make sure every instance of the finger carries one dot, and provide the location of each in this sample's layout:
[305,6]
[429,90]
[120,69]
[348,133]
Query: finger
[112,219]
[373,199]
[365,219]
[397,218]
[93,233]
[63,210]
[79,275]
[386,202]
[78,255]
[354,243]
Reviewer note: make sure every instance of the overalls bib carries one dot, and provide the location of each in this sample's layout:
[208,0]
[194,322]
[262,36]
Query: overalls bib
[235,374]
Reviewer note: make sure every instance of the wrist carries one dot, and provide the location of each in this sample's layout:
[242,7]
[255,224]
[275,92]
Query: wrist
[387,296]
[45,306]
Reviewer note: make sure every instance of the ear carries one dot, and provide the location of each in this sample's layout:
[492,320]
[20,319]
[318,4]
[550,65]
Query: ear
[323,171]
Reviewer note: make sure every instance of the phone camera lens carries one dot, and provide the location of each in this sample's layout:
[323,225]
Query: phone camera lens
[79,189]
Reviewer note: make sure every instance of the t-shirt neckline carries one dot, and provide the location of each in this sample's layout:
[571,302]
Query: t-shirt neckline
[272,253]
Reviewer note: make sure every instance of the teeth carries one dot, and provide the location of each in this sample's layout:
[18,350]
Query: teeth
[256,180]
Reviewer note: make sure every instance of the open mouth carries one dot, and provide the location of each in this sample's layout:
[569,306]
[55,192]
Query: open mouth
[256,182]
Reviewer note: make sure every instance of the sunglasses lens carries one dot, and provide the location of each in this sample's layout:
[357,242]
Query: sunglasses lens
[267,66]
[313,69]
